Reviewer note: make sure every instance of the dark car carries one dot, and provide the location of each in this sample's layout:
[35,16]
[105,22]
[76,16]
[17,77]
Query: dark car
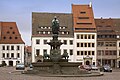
[107,68]
[20,66]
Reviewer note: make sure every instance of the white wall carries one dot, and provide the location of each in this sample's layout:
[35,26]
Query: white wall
[15,51]
[79,58]
[42,46]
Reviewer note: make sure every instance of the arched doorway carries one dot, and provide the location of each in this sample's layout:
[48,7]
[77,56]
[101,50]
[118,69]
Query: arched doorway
[87,62]
[10,63]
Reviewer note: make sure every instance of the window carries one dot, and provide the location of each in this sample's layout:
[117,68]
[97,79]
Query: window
[78,52]
[65,51]
[11,27]
[119,44]
[93,45]
[18,47]
[71,42]
[3,55]
[16,37]
[85,52]
[45,51]
[45,41]
[99,52]
[81,44]
[7,47]
[4,37]
[13,32]
[82,12]
[88,44]
[89,53]
[7,55]
[81,36]
[18,55]
[71,52]
[10,37]
[93,36]
[12,47]
[100,44]
[89,37]
[85,44]
[78,45]
[3,47]
[93,53]
[37,52]
[77,36]
[119,52]
[65,42]
[83,17]
[37,41]
[81,52]
[8,32]
[114,52]
[12,55]
[85,36]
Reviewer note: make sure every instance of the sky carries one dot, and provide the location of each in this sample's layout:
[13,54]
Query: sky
[20,11]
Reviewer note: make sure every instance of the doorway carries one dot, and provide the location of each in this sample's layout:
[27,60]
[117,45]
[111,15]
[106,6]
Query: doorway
[87,62]
[10,63]
[119,64]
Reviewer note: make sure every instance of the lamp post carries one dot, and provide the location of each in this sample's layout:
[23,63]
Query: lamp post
[101,57]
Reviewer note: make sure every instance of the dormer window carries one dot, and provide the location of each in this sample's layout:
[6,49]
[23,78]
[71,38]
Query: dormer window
[11,27]
[16,37]
[82,12]
[8,32]
[10,37]
[13,32]
[4,37]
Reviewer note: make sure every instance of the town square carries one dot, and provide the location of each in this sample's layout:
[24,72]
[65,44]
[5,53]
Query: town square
[64,40]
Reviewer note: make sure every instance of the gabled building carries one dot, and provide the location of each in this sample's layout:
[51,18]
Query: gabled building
[11,44]
[84,34]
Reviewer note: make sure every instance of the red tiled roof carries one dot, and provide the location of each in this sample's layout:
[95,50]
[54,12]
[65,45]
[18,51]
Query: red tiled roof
[9,33]
[83,18]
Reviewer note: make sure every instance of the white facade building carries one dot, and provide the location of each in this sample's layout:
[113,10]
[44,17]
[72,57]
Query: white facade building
[11,44]
[85,48]
[12,54]
[39,47]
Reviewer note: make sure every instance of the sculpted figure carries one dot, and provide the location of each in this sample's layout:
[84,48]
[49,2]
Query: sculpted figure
[55,26]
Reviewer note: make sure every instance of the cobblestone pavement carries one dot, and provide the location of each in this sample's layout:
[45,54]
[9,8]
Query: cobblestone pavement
[9,73]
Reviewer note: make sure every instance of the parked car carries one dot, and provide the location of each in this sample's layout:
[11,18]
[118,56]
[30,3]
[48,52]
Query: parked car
[20,66]
[86,67]
[107,68]
[93,67]
[30,67]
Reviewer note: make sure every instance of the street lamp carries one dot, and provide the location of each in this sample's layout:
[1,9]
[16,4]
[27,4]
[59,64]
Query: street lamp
[101,57]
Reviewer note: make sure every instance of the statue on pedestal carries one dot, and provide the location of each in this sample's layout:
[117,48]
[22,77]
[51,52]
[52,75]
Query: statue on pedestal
[55,26]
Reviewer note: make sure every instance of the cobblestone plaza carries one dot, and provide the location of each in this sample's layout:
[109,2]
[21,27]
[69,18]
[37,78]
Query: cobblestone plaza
[9,73]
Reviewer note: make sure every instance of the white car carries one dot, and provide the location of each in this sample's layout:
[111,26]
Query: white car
[20,66]
[94,67]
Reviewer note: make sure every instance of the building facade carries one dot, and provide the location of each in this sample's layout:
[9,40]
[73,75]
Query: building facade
[108,35]
[87,40]
[11,44]
[84,34]
[42,33]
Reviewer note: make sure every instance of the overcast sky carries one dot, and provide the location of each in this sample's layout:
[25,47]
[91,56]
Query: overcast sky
[20,11]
